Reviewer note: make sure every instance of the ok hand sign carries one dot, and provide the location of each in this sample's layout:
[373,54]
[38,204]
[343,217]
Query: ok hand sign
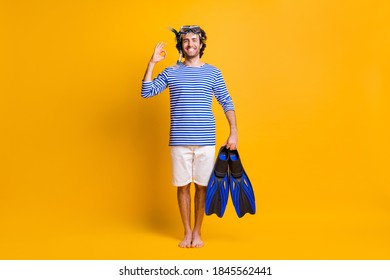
[159,53]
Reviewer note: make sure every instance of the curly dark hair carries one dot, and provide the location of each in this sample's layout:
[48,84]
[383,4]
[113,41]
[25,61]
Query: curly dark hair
[203,39]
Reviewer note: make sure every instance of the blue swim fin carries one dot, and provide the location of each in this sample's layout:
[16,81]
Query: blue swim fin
[240,187]
[218,187]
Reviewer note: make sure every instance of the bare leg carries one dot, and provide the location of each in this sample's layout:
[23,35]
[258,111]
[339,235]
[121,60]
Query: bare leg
[200,197]
[184,199]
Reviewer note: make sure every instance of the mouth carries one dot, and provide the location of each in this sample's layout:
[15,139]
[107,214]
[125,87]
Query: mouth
[190,49]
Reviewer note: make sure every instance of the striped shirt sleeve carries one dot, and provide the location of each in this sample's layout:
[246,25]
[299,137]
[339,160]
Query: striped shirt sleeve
[221,93]
[155,87]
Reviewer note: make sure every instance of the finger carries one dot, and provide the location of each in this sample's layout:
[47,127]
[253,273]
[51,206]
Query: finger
[161,45]
[163,53]
[231,146]
[158,47]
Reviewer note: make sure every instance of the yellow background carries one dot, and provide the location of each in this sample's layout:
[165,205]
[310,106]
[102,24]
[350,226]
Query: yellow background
[85,168]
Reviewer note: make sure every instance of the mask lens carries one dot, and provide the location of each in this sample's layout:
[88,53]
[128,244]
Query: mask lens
[190,28]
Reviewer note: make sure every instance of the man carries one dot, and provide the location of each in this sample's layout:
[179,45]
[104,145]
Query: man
[192,84]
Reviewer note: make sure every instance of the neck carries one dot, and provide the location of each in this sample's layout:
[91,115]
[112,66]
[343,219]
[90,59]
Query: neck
[193,61]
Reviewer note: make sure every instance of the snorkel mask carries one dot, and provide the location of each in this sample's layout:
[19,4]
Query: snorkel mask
[184,30]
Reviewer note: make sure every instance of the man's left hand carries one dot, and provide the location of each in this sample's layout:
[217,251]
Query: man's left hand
[232,142]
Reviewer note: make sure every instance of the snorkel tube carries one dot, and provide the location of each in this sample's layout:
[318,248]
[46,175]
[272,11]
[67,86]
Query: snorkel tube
[178,41]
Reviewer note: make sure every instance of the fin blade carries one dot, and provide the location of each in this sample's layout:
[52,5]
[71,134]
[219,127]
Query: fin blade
[216,196]
[217,192]
[242,195]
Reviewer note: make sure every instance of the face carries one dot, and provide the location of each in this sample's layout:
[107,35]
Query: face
[191,45]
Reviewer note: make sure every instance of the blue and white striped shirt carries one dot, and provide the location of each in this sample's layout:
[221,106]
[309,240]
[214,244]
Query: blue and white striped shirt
[191,91]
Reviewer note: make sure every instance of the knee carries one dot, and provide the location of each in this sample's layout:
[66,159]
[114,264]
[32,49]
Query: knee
[184,189]
[199,188]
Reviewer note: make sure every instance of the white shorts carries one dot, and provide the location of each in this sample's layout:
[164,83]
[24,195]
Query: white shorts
[192,163]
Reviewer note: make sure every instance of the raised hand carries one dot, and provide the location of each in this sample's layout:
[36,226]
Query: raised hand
[159,53]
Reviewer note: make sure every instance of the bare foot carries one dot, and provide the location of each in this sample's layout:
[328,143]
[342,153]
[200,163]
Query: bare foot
[196,241]
[186,242]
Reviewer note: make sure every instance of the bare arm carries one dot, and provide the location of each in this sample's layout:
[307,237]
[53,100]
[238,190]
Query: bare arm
[232,140]
[158,55]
